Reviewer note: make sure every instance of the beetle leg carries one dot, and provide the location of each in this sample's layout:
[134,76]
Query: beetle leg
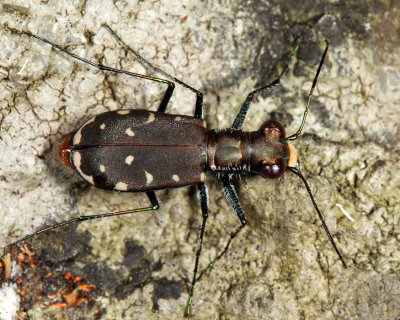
[167,94]
[232,198]
[203,196]
[241,116]
[154,206]
[199,96]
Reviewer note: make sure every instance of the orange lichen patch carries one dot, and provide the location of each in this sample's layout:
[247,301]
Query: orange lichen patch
[86,287]
[22,255]
[23,315]
[73,298]
[32,263]
[58,305]
[22,291]
[38,294]
[5,266]
[70,298]
[21,258]
[32,277]
[76,296]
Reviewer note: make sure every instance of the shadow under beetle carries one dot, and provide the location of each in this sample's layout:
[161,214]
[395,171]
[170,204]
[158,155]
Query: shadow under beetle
[122,151]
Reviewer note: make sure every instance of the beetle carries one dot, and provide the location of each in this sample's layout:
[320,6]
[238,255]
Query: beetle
[144,151]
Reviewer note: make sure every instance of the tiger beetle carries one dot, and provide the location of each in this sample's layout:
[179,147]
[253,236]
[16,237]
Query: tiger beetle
[144,151]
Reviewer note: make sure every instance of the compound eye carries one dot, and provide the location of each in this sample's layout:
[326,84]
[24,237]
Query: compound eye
[274,126]
[274,171]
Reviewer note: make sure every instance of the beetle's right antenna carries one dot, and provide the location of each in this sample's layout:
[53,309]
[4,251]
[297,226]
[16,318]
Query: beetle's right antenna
[298,173]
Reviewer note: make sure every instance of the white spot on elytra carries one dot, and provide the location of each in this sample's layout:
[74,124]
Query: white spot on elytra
[129,132]
[102,126]
[123,112]
[178,118]
[77,161]
[151,118]
[149,177]
[175,177]
[121,186]
[102,168]
[129,159]
[78,135]
[202,176]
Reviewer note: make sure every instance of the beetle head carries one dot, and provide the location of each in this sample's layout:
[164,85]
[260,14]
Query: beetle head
[283,153]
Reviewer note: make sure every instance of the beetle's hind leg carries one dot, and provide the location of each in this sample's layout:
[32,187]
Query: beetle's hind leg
[199,96]
[150,194]
[167,94]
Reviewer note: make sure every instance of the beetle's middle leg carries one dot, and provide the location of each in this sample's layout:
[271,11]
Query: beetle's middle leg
[232,198]
[203,196]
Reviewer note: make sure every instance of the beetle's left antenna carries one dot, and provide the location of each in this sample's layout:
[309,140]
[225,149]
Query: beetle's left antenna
[295,135]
